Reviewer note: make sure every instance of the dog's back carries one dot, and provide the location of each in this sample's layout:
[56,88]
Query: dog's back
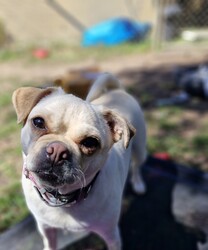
[108,92]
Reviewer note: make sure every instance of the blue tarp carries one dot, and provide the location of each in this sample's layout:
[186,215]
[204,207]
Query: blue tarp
[115,31]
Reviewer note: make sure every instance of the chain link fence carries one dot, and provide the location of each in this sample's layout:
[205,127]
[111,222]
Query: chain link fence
[180,20]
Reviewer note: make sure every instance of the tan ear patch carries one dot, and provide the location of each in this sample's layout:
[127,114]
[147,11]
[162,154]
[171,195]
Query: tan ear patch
[119,126]
[24,99]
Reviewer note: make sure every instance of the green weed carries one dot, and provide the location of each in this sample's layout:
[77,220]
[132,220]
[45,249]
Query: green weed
[12,206]
[200,142]
[5,99]
[9,129]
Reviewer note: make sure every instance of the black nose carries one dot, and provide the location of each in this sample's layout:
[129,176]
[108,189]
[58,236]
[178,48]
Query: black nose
[57,152]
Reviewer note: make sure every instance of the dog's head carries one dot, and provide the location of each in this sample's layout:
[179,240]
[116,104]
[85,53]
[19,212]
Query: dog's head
[65,139]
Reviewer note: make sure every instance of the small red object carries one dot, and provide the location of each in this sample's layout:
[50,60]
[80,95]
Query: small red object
[40,53]
[162,155]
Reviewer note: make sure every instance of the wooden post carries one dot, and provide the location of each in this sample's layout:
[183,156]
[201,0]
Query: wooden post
[157,37]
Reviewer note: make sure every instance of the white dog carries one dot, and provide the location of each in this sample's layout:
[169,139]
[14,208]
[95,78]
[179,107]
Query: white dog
[77,155]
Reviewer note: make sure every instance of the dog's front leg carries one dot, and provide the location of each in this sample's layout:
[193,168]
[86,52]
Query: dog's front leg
[112,238]
[49,236]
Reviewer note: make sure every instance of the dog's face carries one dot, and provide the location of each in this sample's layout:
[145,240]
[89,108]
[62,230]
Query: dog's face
[65,139]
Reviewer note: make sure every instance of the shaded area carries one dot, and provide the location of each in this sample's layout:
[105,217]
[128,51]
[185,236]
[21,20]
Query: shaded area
[153,224]
[147,221]
[152,84]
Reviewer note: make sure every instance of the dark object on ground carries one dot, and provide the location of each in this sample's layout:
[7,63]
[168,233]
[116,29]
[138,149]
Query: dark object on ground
[147,222]
[178,99]
[193,80]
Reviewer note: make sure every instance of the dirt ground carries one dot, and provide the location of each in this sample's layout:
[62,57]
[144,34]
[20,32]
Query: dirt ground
[161,60]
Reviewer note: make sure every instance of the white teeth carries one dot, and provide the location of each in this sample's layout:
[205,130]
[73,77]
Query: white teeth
[42,190]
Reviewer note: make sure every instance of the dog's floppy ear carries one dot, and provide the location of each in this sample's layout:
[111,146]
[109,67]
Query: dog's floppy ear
[25,98]
[119,126]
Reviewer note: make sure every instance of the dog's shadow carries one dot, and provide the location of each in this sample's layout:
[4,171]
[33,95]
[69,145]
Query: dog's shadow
[147,222]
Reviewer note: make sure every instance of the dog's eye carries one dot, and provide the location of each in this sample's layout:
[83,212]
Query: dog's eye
[89,145]
[39,122]
[90,142]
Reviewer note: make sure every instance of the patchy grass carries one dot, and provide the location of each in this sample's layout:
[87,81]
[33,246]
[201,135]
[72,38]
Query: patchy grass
[5,99]
[12,204]
[10,54]
[69,53]
[200,142]
[180,133]
[5,131]
[76,53]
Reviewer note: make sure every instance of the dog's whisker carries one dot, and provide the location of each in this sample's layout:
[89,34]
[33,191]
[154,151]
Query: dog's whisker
[80,175]
[80,180]
[74,177]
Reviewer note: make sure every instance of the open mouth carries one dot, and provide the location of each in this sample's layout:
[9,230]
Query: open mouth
[51,195]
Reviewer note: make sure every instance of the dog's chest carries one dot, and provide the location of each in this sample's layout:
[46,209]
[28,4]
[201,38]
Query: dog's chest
[51,216]
[78,217]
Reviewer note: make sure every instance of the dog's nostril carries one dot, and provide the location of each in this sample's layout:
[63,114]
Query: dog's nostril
[49,150]
[57,152]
